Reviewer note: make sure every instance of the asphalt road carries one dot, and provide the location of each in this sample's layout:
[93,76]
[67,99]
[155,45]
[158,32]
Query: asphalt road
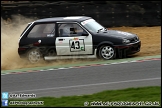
[87,80]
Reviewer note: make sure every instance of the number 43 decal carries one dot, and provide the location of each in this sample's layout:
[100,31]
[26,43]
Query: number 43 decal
[77,45]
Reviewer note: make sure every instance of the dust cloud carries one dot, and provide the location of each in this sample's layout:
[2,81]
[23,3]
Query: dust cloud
[10,33]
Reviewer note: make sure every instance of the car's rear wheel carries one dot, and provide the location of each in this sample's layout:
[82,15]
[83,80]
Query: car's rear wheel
[34,56]
[106,52]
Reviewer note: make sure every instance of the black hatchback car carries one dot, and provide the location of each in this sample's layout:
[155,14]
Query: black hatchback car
[74,37]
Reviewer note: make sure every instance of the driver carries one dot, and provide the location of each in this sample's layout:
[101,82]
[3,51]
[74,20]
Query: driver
[66,29]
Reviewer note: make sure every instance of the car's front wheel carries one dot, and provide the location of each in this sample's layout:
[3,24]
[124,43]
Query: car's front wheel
[106,52]
[34,56]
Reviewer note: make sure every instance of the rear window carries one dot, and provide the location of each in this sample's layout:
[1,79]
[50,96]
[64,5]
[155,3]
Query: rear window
[42,30]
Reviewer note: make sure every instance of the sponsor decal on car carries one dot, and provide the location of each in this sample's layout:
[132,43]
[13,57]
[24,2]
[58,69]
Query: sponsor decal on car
[75,38]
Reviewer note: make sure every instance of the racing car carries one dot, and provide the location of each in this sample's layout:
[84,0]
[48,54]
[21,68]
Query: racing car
[74,37]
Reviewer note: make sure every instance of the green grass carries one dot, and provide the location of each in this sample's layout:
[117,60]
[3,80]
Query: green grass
[145,94]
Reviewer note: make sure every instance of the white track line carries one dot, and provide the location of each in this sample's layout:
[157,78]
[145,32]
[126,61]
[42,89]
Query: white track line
[97,84]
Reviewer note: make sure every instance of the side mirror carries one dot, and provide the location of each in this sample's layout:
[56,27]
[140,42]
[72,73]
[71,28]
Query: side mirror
[106,29]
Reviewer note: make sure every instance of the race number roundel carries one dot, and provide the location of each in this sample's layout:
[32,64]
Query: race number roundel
[76,45]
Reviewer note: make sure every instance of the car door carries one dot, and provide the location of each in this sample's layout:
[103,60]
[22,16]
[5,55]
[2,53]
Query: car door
[73,40]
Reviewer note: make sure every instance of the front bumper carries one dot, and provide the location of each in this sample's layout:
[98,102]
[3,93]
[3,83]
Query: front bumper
[128,49]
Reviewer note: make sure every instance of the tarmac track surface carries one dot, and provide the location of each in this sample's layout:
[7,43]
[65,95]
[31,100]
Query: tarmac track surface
[86,80]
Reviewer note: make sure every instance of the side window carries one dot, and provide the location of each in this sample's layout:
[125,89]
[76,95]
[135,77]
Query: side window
[42,30]
[70,30]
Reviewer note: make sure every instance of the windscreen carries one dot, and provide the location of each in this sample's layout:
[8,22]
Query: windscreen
[92,25]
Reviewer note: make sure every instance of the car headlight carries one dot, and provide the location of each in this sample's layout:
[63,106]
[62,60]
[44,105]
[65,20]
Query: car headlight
[137,37]
[126,41]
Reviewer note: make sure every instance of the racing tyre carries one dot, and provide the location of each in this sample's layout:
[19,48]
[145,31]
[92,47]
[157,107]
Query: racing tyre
[106,52]
[34,56]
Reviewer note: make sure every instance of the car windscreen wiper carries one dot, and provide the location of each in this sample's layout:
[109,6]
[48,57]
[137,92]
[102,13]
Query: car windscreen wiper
[99,30]
[105,29]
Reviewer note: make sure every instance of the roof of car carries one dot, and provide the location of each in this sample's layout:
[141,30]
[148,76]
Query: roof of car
[62,19]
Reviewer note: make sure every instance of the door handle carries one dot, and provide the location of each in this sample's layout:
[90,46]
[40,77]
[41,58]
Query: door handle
[61,39]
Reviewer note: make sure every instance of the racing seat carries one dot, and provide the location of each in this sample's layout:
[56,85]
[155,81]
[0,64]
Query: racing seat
[61,32]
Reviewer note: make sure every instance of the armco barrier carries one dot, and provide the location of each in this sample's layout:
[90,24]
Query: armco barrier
[108,13]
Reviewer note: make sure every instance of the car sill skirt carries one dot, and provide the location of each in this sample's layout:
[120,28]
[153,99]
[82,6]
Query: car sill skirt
[68,57]
[71,57]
